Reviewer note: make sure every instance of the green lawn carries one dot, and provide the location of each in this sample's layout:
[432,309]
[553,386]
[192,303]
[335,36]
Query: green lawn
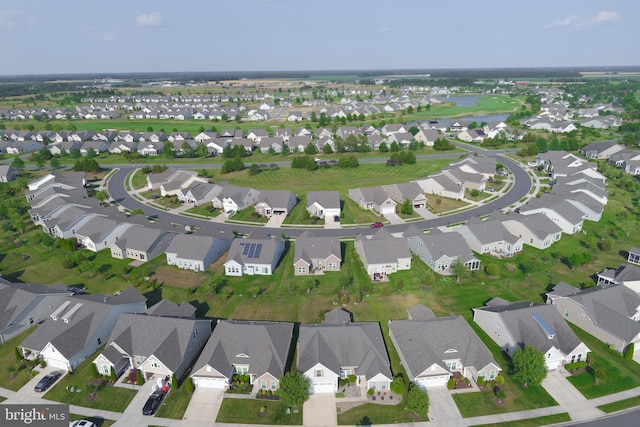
[245,411]
[13,374]
[546,420]
[175,404]
[370,413]
[204,210]
[620,405]
[249,215]
[617,373]
[139,179]
[108,397]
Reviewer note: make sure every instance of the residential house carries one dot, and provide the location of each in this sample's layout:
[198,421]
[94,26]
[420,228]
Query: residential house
[323,204]
[375,199]
[611,314]
[634,256]
[168,308]
[382,254]
[490,237]
[440,251]
[259,350]
[7,173]
[142,244]
[627,275]
[426,136]
[233,198]
[410,191]
[154,345]
[275,202]
[514,325]
[472,135]
[568,217]
[444,185]
[258,253]
[602,149]
[430,355]
[274,144]
[150,148]
[535,230]
[485,166]
[192,252]
[328,352]
[78,327]
[100,232]
[315,254]
[23,305]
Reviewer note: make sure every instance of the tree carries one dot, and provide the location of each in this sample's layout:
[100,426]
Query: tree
[458,269]
[326,149]
[294,389]
[310,149]
[383,147]
[528,365]
[18,163]
[407,207]
[55,163]
[202,150]
[168,149]
[102,195]
[254,169]
[417,401]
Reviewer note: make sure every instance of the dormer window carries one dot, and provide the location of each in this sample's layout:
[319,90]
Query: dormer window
[451,350]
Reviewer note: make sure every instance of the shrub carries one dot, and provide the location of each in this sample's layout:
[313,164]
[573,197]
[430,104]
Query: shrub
[113,376]
[500,393]
[628,354]
[19,356]
[352,378]
[174,382]
[499,380]
[342,382]
[189,385]
[370,392]
[576,365]
[397,385]
[480,381]
[451,383]
[139,377]
[94,371]
[491,269]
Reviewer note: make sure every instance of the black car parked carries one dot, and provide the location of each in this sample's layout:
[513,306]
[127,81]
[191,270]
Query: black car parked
[47,381]
[153,403]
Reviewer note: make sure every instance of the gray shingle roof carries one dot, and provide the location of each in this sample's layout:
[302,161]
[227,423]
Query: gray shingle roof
[610,307]
[354,344]
[309,246]
[266,345]
[166,338]
[326,199]
[16,297]
[525,330]
[168,308]
[383,248]
[423,343]
[190,246]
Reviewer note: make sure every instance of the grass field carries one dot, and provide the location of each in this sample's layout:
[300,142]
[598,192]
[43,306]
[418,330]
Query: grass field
[13,374]
[546,420]
[620,405]
[243,411]
[370,413]
[175,404]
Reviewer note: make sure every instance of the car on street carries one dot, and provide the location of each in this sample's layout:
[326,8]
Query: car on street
[47,381]
[153,403]
[82,423]
[377,225]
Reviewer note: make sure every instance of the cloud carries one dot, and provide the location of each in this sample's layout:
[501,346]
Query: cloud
[153,19]
[384,29]
[576,22]
[9,17]
[562,22]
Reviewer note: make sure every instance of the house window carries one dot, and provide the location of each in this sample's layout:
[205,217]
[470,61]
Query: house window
[492,375]
[274,385]
[332,266]
[155,365]
[106,370]
[302,270]
[265,270]
[318,373]
[451,365]
[344,373]
[242,370]
[138,360]
[263,384]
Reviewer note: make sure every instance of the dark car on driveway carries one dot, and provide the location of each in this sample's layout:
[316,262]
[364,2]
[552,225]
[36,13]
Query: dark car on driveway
[47,381]
[377,225]
[153,403]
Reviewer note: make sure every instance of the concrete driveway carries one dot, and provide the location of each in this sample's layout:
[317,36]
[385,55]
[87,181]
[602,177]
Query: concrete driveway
[204,404]
[569,397]
[137,403]
[320,410]
[443,410]
[393,218]
[28,390]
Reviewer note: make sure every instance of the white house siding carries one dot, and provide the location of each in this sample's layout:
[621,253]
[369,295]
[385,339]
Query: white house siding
[322,379]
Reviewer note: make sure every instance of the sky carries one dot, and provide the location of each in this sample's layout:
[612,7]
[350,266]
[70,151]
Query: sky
[117,36]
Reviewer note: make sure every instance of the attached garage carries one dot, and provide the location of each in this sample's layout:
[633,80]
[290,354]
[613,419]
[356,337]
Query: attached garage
[322,388]
[388,209]
[434,381]
[220,383]
[61,364]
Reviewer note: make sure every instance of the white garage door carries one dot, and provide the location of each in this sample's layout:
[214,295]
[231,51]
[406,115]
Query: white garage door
[62,364]
[210,382]
[387,210]
[436,381]
[322,388]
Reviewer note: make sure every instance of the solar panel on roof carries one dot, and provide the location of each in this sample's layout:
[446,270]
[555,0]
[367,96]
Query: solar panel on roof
[258,250]
[544,325]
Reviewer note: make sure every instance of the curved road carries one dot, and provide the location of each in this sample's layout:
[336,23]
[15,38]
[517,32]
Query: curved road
[521,187]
